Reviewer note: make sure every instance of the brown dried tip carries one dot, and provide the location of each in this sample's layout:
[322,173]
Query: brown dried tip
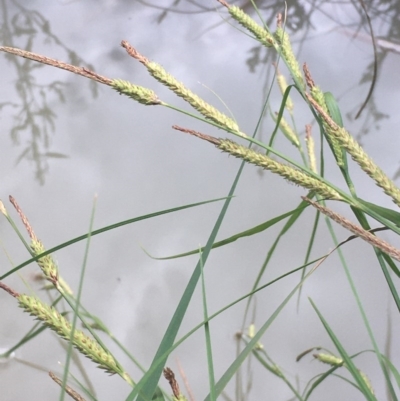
[327,118]
[25,221]
[224,3]
[56,63]
[307,351]
[307,74]
[357,230]
[279,20]
[169,375]
[308,131]
[96,77]
[72,393]
[133,52]
[185,382]
[9,290]
[211,139]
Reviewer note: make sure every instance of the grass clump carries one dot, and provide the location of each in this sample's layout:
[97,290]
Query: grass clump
[319,189]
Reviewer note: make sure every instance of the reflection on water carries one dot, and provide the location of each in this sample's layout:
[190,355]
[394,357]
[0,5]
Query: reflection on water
[34,119]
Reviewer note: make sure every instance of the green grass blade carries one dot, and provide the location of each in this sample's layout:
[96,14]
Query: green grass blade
[155,365]
[160,361]
[34,332]
[207,335]
[333,108]
[309,249]
[348,361]
[374,212]
[148,387]
[279,115]
[315,383]
[392,369]
[382,257]
[293,218]
[367,325]
[388,214]
[77,305]
[247,233]
[231,371]
[275,370]
[104,229]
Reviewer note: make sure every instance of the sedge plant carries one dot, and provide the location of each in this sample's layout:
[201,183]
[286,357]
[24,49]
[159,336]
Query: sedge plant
[320,195]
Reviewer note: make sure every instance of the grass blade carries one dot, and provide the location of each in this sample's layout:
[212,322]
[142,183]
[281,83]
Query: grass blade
[347,359]
[247,233]
[147,388]
[104,229]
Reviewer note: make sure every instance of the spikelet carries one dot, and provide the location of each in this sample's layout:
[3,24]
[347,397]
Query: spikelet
[290,173]
[281,79]
[265,162]
[358,154]
[56,322]
[286,51]
[357,230]
[329,359]
[367,382]
[262,34]
[159,73]
[70,391]
[287,130]
[170,376]
[319,98]
[142,95]
[46,263]
[311,149]
[338,362]
[3,210]
[208,111]
[251,333]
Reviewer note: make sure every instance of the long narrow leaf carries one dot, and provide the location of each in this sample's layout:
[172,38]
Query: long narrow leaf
[227,376]
[104,229]
[147,387]
[347,359]
[247,233]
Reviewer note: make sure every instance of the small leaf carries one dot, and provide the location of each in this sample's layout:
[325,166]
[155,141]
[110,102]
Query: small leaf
[388,214]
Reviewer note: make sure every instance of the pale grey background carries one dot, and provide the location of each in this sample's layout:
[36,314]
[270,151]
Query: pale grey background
[130,157]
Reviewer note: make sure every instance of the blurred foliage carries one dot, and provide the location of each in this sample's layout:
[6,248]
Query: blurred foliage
[34,119]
